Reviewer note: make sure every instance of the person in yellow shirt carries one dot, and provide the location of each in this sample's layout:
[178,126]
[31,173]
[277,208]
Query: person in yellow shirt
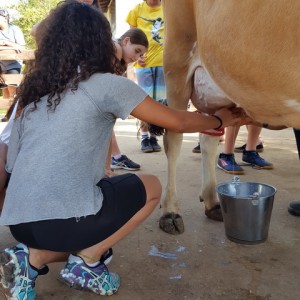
[148,16]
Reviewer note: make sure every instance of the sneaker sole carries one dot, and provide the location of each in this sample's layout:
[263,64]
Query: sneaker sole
[76,286]
[147,150]
[6,275]
[113,167]
[196,151]
[156,150]
[257,167]
[231,172]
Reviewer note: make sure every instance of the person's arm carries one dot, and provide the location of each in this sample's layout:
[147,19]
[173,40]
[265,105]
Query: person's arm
[13,45]
[183,121]
[108,171]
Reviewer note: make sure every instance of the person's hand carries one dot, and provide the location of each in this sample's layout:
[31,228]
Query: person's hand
[141,61]
[233,117]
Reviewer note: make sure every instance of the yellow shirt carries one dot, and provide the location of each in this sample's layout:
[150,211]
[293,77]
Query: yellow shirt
[150,20]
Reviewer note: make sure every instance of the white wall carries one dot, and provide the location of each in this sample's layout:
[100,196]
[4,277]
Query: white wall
[122,9]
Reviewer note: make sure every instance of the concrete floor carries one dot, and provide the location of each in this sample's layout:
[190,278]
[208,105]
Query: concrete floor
[202,263]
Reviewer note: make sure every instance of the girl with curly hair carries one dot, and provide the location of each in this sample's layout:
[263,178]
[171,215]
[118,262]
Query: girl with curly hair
[130,47]
[58,206]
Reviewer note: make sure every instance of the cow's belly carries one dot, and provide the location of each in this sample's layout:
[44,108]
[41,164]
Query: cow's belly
[207,97]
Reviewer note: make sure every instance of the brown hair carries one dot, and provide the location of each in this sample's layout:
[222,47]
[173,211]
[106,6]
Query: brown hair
[137,37]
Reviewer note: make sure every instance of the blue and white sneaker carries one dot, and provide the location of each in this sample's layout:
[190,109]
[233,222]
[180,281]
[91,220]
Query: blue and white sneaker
[255,160]
[227,163]
[98,279]
[17,276]
[124,163]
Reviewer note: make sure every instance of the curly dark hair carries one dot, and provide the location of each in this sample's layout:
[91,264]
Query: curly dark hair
[77,43]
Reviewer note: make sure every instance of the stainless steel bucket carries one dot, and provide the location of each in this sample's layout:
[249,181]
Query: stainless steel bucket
[247,209]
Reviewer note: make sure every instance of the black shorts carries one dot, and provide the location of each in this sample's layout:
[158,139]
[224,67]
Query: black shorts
[123,197]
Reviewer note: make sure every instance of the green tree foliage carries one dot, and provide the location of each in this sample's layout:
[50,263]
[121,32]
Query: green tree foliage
[30,13]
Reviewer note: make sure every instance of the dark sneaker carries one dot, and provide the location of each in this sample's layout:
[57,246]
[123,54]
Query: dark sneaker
[259,148]
[252,158]
[17,276]
[294,208]
[106,258]
[154,144]
[79,275]
[227,163]
[146,147]
[124,163]
[197,149]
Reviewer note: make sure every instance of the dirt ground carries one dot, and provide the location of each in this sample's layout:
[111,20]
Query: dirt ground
[201,263]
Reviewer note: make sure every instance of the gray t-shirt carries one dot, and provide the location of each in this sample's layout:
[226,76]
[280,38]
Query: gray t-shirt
[57,158]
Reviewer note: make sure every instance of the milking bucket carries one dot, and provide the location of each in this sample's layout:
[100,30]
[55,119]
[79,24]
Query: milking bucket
[246,209]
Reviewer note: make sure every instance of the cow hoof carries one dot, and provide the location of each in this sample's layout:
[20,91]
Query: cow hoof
[214,213]
[171,223]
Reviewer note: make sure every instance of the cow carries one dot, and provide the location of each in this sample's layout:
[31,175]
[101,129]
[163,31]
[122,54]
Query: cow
[223,53]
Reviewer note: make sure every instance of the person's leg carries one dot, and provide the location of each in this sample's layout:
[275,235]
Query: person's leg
[294,206]
[3,175]
[250,155]
[115,150]
[226,161]
[197,149]
[153,191]
[85,266]
[252,138]
[145,81]
[115,220]
[230,138]
[119,160]
[160,95]
[297,137]
[259,143]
